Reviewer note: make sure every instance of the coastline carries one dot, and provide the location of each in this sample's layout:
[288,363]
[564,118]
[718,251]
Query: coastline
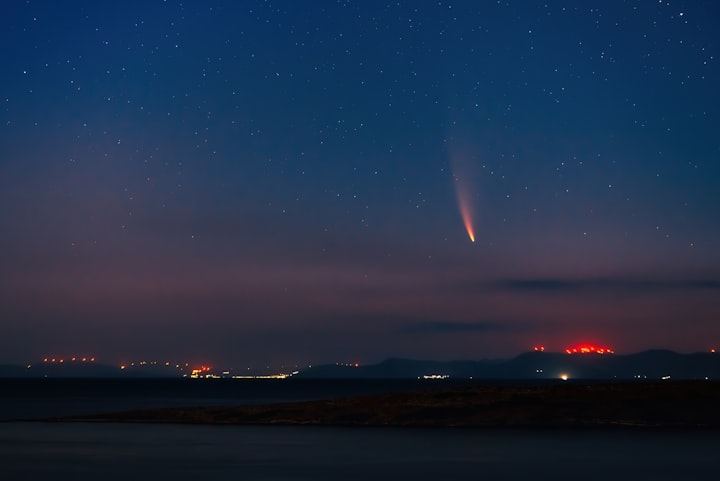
[642,405]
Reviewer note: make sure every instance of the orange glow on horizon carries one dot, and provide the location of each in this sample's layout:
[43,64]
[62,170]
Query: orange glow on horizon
[200,371]
[589,349]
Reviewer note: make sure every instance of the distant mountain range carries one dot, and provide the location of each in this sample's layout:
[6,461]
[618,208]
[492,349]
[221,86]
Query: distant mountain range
[653,364]
[81,370]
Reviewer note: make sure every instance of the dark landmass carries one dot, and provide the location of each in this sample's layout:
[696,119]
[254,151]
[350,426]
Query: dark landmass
[68,370]
[654,364]
[686,404]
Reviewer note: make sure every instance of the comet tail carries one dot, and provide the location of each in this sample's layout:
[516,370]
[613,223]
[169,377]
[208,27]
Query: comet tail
[466,215]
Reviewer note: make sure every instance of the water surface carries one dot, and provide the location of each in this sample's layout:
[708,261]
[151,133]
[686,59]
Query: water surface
[76,451]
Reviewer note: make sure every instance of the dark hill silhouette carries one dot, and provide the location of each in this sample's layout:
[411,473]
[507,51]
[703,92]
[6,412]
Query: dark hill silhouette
[79,370]
[653,364]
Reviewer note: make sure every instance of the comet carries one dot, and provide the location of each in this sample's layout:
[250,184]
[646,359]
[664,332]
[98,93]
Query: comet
[463,173]
[465,213]
[465,207]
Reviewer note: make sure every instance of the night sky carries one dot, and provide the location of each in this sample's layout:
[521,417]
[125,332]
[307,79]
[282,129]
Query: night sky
[274,182]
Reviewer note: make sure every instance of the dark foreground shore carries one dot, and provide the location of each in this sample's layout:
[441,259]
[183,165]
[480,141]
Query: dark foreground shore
[568,405]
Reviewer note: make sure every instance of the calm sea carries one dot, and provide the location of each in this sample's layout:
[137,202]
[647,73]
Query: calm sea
[60,451]
[84,451]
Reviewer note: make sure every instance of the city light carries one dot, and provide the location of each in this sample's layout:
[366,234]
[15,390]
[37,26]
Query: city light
[202,371]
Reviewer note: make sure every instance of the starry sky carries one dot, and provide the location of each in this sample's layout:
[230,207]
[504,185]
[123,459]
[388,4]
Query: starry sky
[272,182]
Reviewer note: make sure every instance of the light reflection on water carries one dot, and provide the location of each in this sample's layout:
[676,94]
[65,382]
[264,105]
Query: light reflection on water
[60,451]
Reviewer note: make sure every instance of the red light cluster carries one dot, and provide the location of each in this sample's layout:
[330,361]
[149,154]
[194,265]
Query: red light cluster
[589,349]
[539,348]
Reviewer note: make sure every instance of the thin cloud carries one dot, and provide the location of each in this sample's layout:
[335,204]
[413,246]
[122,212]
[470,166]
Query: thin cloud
[628,285]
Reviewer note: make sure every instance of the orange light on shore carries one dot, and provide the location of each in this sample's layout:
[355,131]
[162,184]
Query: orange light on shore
[200,371]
